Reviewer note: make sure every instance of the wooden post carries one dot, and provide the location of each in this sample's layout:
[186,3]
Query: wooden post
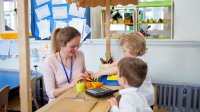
[108,53]
[24,56]
[135,23]
[103,24]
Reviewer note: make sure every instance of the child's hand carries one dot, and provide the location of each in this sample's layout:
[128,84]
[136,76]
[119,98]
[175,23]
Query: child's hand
[88,73]
[113,101]
[95,75]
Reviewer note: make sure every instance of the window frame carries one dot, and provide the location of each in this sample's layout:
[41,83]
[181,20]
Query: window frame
[2,16]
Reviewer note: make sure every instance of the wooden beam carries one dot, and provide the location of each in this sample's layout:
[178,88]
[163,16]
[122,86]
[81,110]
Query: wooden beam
[108,53]
[24,56]
[135,19]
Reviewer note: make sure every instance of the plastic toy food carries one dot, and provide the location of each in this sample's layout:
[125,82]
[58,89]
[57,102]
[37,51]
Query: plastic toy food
[89,85]
[80,87]
[89,79]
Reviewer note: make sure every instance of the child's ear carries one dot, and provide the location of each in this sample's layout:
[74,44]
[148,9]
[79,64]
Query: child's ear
[124,81]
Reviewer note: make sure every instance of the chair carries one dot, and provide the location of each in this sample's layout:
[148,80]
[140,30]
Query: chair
[4,98]
[33,86]
[14,103]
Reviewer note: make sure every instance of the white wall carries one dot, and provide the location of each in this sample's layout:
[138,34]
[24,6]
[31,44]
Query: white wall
[96,49]
[174,61]
[95,21]
[186,20]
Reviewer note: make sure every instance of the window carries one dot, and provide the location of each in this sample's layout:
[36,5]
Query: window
[155,13]
[10,15]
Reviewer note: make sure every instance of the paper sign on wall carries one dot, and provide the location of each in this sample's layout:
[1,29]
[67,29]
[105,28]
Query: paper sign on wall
[39,2]
[44,29]
[77,23]
[54,2]
[59,12]
[42,12]
[81,26]
[45,47]
[76,11]
[60,24]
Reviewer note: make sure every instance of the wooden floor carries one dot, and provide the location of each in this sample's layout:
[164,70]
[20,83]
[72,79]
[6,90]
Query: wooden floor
[155,109]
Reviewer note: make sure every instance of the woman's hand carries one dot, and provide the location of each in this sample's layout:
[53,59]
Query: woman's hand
[77,79]
[113,101]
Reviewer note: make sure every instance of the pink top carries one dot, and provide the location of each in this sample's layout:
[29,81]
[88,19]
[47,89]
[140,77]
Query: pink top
[54,75]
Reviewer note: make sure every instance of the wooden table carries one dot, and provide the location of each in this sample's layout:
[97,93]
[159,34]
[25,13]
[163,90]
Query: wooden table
[101,104]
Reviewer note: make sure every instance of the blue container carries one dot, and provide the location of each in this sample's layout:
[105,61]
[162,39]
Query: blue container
[109,82]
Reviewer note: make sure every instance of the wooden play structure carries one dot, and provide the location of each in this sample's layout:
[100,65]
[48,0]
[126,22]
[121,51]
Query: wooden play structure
[24,52]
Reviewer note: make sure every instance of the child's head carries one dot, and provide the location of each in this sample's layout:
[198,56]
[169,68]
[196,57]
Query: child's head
[132,71]
[133,44]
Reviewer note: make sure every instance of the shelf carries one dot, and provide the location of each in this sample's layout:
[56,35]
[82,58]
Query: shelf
[157,38]
[129,24]
[155,4]
[166,24]
[154,23]
[121,11]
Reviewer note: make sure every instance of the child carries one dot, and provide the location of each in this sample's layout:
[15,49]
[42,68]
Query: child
[133,45]
[132,72]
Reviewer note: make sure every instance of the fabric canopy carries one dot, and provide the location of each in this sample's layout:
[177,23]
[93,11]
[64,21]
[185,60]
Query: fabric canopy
[94,3]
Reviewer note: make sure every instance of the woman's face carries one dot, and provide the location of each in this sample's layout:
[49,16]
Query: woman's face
[72,47]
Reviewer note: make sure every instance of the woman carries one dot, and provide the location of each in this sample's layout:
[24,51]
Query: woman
[62,70]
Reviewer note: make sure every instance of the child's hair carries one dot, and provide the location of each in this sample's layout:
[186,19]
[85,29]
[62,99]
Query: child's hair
[134,70]
[135,42]
[61,36]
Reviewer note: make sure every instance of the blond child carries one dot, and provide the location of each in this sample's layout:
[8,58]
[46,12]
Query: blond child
[133,45]
[132,72]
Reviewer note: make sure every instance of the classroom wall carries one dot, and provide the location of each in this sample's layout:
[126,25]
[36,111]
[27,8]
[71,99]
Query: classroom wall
[186,20]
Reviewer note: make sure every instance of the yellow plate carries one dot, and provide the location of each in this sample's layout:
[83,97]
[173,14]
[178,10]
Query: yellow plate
[112,77]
